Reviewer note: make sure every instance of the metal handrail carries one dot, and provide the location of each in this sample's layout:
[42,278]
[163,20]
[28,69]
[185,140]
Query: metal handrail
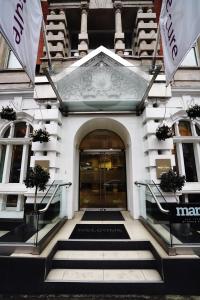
[43,210]
[47,191]
[159,190]
[165,211]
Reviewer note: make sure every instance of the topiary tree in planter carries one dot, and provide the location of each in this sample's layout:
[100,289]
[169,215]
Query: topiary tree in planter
[36,177]
[164,132]
[193,112]
[171,182]
[8,113]
[40,135]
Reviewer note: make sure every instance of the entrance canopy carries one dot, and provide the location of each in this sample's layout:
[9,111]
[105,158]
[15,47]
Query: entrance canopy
[102,81]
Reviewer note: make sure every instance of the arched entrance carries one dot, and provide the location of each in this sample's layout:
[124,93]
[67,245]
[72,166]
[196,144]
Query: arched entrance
[102,183]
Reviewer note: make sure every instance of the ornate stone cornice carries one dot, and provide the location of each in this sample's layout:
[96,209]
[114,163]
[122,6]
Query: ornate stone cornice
[84,5]
[117,5]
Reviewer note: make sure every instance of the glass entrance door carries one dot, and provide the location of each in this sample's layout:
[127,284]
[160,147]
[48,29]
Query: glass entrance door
[102,180]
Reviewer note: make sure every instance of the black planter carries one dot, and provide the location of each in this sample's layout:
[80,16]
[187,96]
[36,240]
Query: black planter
[193,112]
[170,182]
[164,132]
[8,113]
[40,135]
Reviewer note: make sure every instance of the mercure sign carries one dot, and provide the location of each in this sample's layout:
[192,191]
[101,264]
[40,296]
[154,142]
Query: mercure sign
[185,213]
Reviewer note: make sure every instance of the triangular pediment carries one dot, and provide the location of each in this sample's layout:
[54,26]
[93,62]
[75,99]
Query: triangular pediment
[101,81]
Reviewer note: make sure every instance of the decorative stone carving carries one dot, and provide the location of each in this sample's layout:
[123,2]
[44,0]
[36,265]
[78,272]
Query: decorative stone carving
[117,5]
[145,33]
[57,35]
[101,4]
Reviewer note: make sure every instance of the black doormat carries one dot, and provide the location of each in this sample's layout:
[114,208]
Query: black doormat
[99,231]
[102,216]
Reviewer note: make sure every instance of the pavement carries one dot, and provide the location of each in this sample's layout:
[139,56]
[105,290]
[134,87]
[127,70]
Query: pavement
[96,297]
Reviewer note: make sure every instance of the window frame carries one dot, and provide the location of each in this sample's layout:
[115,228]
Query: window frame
[8,143]
[194,139]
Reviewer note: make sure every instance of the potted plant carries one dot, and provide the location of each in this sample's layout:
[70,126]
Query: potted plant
[171,182]
[40,135]
[193,112]
[8,113]
[164,132]
[36,178]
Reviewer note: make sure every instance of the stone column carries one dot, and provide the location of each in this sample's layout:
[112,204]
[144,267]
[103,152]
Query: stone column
[8,157]
[25,153]
[20,203]
[119,35]
[83,36]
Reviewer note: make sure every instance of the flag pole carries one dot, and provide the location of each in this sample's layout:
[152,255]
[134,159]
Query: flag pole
[140,106]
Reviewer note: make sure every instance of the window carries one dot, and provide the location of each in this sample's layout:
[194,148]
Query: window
[186,149]
[189,162]
[20,129]
[15,153]
[11,200]
[191,59]
[184,128]
[197,130]
[16,160]
[13,63]
[3,153]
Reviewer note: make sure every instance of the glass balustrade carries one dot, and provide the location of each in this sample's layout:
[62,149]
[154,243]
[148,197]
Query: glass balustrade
[49,216]
[180,227]
[36,226]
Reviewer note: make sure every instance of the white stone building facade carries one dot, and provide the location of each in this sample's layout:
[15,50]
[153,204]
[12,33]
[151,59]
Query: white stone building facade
[101,89]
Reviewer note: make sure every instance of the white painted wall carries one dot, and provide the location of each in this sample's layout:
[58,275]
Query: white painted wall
[75,128]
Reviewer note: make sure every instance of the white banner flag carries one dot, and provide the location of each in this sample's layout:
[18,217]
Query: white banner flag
[180,28]
[20,24]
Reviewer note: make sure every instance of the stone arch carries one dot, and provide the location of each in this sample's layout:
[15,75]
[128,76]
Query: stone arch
[102,123]
[112,125]
[21,117]
[181,115]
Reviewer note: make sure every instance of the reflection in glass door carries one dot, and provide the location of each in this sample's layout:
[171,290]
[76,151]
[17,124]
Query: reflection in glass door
[102,180]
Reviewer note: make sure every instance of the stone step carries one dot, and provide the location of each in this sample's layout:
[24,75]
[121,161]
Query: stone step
[104,276]
[96,267]
[103,255]
[103,245]
[96,259]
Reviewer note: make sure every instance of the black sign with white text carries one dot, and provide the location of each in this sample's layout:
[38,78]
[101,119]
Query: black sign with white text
[185,213]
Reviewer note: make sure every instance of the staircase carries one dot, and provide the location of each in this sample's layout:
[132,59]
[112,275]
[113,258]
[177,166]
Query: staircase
[104,267]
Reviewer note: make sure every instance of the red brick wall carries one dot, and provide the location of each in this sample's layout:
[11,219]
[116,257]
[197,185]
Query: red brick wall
[157,9]
[41,42]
